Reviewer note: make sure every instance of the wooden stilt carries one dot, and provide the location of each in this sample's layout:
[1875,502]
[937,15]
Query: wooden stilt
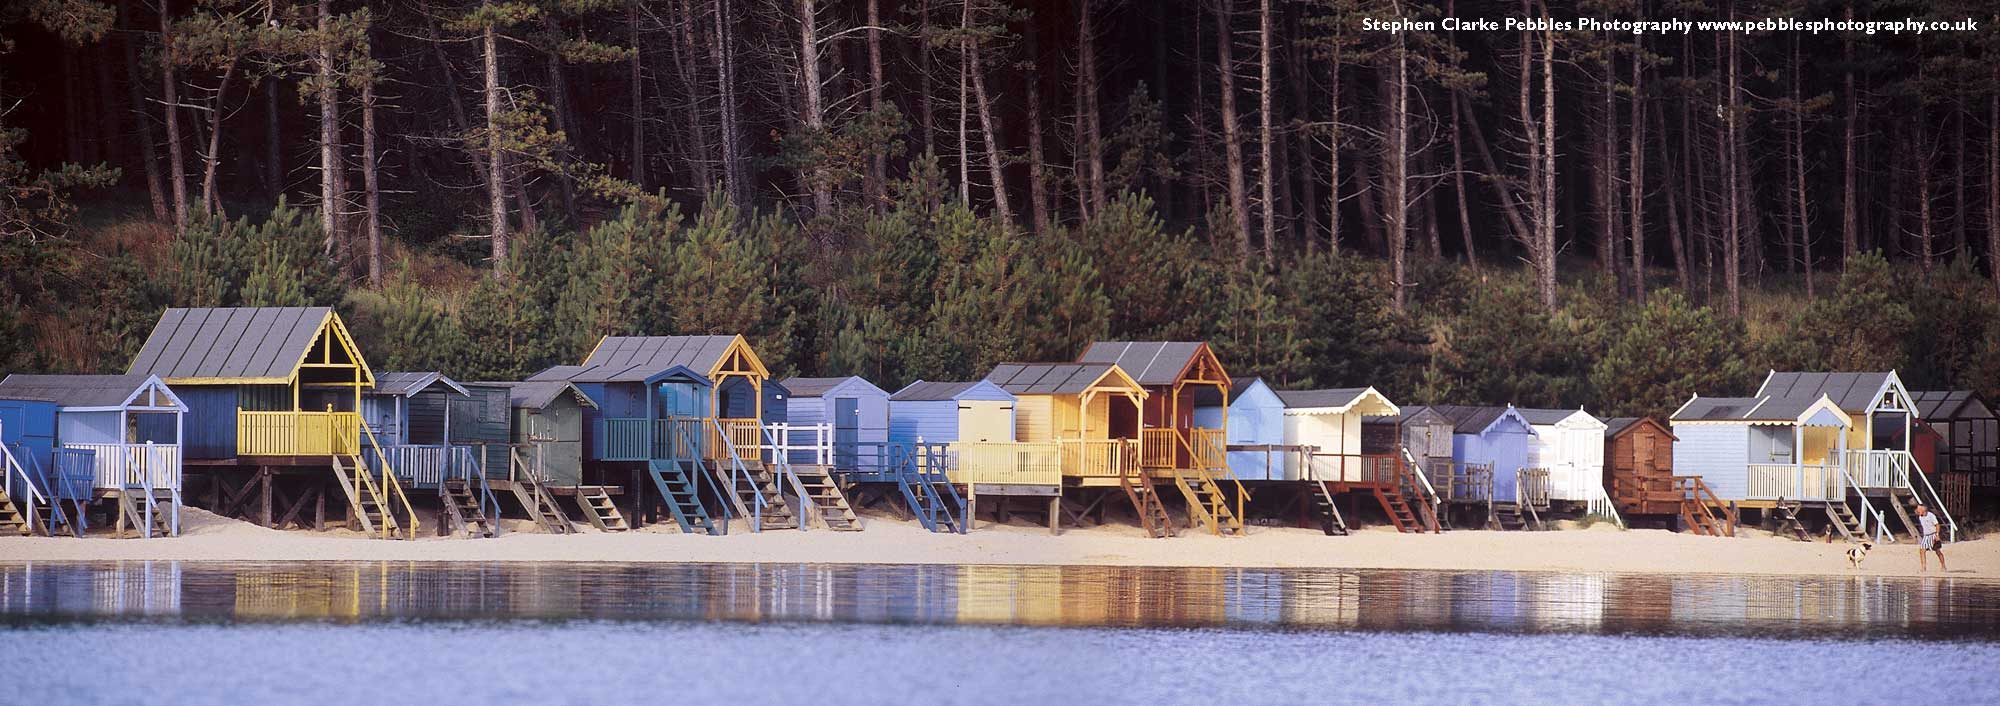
[319,508]
[1055,515]
[264,492]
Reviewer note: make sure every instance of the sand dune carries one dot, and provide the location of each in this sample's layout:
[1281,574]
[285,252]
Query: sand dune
[887,541]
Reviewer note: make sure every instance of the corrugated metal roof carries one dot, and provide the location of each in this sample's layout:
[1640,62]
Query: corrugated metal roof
[1946,404]
[1148,362]
[1854,392]
[538,394]
[405,383]
[1048,378]
[814,387]
[262,343]
[1312,399]
[73,390]
[921,391]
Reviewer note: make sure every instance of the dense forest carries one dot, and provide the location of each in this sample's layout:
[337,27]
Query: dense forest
[903,189]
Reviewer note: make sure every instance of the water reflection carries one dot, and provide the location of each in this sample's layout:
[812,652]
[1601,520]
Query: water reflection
[1007,595]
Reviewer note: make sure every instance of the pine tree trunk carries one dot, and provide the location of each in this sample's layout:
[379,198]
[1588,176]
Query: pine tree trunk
[926,64]
[1636,175]
[1333,156]
[1092,119]
[1993,181]
[1038,180]
[274,154]
[210,160]
[1671,184]
[135,86]
[723,52]
[815,115]
[703,161]
[878,163]
[1958,153]
[1232,140]
[1850,216]
[496,186]
[1298,153]
[638,78]
[990,133]
[1395,160]
[1799,172]
[558,100]
[1607,176]
[170,93]
[965,103]
[371,193]
[1921,155]
[1733,233]
[1547,271]
[1510,198]
[329,140]
[1264,156]
[1458,185]
[108,142]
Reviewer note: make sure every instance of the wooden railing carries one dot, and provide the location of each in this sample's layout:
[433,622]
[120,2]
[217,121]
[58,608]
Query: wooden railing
[120,466]
[1875,469]
[1789,481]
[297,433]
[745,436]
[1160,448]
[1006,463]
[1531,487]
[1210,447]
[423,465]
[1096,458]
[1368,469]
[1462,482]
[622,439]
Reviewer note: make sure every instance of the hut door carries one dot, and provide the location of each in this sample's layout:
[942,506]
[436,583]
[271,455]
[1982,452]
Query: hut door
[1642,452]
[846,431]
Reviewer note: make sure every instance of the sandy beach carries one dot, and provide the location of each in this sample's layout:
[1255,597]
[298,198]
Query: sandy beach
[1601,548]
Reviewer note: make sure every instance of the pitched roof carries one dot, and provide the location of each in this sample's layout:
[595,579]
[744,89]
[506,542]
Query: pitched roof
[1049,378]
[1854,392]
[1410,413]
[1617,425]
[1548,416]
[1946,404]
[634,358]
[1470,419]
[539,394]
[819,387]
[1148,362]
[403,383]
[239,344]
[922,391]
[1749,409]
[74,390]
[1336,397]
[1241,384]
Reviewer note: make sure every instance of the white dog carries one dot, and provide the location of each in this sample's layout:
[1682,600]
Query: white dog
[1856,554]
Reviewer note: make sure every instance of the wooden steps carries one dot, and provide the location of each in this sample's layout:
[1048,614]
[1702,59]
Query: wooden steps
[1145,499]
[140,511]
[541,505]
[1905,510]
[936,503]
[679,492]
[370,507]
[1844,521]
[1403,500]
[1330,520]
[754,484]
[1701,512]
[600,510]
[1207,504]
[1786,513]
[464,512]
[1512,516]
[825,500]
[11,519]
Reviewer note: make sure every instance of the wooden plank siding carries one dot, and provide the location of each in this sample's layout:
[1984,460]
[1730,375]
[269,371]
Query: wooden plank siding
[1639,469]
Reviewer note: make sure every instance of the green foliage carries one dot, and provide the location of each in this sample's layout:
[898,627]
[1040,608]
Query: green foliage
[415,331]
[1866,324]
[1507,349]
[1257,334]
[274,263]
[1660,355]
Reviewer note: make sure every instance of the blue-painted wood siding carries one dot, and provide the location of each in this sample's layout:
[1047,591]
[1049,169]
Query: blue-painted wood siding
[90,427]
[211,421]
[483,417]
[425,411]
[383,414]
[28,428]
[1719,453]
[1505,445]
[1255,418]
[933,421]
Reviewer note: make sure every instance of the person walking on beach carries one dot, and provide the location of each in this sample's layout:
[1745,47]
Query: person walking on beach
[1928,539]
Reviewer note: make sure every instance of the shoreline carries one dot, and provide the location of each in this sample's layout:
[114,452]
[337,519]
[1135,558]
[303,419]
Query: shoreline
[887,541]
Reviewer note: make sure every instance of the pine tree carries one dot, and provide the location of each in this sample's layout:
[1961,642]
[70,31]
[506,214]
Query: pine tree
[1666,351]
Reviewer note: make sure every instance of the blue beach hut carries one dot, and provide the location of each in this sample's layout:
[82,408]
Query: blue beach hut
[1255,420]
[1492,435]
[947,412]
[855,415]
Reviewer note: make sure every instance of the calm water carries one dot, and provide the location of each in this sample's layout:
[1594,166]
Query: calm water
[206,633]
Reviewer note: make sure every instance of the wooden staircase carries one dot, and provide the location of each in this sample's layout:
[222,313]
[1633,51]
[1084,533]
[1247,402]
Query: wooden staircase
[464,511]
[926,490]
[11,519]
[755,493]
[1145,498]
[536,499]
[599,509]
[1786,513]
[1513,516]
[1904,501]
[1207,504]
[1330,520]
[1702,513]
[364,501]
[680,493]
[140,510]
[1844,521]
[824,500]
[1406,504]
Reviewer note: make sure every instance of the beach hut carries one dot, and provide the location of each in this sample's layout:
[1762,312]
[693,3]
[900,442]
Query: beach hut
[1639,466]
[1083,416]
[119,436]
[431,428]
[1254,420]
[273,396]
[27,457]
[1962,443]
[951,412]
[848,416]
[1498,438]
[547,430]
[1173,375]
[1570,444]
[1329,421]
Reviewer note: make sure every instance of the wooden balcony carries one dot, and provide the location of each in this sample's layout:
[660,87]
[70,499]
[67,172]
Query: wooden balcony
[298,433]
[425,465]
[1353,469]
[121,466]
[637,439]
[1098,458]
[1006,463]
[1796,481]
[1875,469]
